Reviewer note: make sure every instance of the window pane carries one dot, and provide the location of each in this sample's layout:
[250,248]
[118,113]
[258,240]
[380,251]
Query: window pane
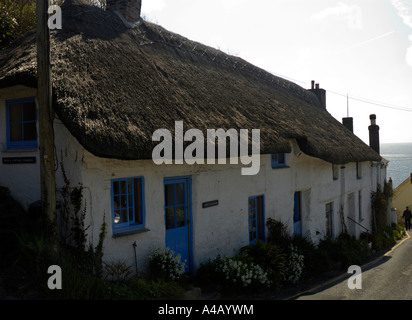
[15,113]
[116,187]
[129,185]
[29,111]
[123,187]
[116,217]
[16,133]
[123,202]
[281,158]
[252,204]
[180,216]
[30,131]
[137,201]
[169,194]
[180,193]
[124,215]
[116,201]
[131,214]
[170,218]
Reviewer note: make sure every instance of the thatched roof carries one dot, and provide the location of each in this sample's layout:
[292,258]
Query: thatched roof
[114,86]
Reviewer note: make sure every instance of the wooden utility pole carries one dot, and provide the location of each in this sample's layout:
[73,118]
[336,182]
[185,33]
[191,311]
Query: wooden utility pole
[44,102]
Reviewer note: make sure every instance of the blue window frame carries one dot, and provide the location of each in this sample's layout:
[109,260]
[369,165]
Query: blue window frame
[128,208]
[21,123]
[278,160]
[256,219]
[329,219]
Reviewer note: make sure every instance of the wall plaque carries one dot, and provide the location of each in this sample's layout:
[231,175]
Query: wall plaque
[210,204]
[19,160]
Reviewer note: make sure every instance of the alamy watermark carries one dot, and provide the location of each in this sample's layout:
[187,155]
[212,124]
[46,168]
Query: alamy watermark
[55,280]
[194,153]
[55,17]
[355,281]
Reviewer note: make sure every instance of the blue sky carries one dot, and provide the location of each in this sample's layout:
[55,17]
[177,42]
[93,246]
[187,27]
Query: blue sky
[362,49]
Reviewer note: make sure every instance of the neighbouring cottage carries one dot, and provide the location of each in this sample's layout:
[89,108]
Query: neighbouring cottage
[402,197]
[117,79]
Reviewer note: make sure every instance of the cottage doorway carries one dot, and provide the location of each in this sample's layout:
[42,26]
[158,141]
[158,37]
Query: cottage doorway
[256,219]
[178,217]
[297,214]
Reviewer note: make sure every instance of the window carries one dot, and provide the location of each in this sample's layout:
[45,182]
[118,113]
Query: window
[128,203]
[256,219]
[329,219]
[335,171]
[297,214]
[21,121]
[360,206]
[358,171]
[176,204]
[278,160]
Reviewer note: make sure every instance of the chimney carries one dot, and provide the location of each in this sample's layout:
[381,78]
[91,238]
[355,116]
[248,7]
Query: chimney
[348,123]
[320,93]
[374,134]
[128,10]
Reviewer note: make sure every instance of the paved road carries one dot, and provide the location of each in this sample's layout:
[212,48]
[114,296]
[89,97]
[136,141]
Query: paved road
[389,278]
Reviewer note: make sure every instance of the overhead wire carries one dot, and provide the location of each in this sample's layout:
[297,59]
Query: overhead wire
[352,97]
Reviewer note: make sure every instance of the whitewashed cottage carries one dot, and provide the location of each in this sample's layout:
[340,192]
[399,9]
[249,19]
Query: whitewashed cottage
[117,79]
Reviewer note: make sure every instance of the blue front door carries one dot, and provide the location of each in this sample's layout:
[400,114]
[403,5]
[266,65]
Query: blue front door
[297,214]
[177,217]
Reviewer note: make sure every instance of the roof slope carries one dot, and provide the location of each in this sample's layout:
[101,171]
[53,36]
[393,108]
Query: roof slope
[113,87]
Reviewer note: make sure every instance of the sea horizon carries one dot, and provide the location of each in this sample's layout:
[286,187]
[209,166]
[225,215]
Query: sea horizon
[399,155]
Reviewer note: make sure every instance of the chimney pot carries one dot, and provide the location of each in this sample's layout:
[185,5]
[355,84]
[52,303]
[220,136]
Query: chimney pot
[313,84]
[317,86]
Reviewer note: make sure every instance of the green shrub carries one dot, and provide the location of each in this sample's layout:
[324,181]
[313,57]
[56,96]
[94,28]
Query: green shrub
[238,274]
[270,257]
[165,264]
[345,250]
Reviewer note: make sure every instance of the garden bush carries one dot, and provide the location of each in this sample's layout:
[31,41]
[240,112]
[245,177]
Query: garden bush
[270,257]
[235,274]
[165,264]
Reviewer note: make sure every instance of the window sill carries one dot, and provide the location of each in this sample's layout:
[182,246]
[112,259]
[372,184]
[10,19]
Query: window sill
[20,150]
[123,233]
[283,166]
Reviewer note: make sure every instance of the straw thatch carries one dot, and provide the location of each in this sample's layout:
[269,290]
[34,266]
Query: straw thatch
[113,87]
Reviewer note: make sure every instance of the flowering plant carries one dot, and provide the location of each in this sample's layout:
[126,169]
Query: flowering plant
[295,265]
[164,263]
[244,274]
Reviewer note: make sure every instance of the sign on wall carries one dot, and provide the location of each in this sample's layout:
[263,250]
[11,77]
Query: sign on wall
[19,160]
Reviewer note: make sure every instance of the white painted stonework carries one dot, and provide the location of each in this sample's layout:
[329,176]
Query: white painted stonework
[222,229]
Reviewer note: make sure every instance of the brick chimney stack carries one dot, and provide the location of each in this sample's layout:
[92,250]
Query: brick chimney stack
[320,93]
[128,10]
[374,134]
[348,123]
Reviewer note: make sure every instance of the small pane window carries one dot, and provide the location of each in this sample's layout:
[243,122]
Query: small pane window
[127,203]
[21,120]
[278,160]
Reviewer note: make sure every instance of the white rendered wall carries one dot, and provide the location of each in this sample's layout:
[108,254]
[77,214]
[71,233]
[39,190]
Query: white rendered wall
[223,229]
